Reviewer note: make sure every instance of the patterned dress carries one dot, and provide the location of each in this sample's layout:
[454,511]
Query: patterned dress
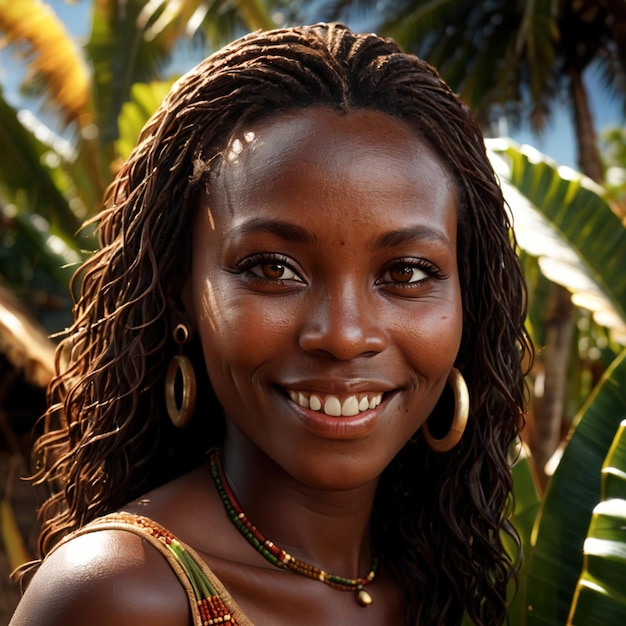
[210,603]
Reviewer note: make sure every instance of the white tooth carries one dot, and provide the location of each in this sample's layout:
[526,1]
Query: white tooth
[350,407]
[372,402]
[293,395]
[314,403]
[364,404]
[303,400]
[379,399]
[332,406]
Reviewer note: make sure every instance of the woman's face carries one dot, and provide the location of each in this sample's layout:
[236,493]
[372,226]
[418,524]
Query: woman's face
[325,289]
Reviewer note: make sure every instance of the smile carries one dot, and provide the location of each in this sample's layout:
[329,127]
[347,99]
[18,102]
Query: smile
[335,406]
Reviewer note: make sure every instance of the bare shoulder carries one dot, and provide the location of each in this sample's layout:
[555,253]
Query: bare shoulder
[102,578]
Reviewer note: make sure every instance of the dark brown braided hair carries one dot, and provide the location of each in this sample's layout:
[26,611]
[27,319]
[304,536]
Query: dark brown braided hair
[438,518]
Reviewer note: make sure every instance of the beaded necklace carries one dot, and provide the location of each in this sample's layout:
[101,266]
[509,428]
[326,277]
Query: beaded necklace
[276,555]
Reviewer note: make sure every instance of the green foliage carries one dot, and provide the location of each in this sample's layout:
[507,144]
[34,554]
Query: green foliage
[527,503]
[121,56]
[26,173]
[564,227]
[600,597]
[144,100]
[575,489]
[562,218]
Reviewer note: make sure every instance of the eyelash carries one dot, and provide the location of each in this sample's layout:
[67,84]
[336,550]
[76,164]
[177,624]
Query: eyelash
[250,262]
[428,268]
[261,259]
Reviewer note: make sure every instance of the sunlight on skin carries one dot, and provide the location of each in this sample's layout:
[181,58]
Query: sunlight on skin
[211,219]
[80,553]
[211,303]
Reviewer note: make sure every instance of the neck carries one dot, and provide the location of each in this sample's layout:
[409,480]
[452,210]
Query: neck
[326,528]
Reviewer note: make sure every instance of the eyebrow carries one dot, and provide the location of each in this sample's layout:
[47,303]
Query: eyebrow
[284,230]
[408,235]
[297,234]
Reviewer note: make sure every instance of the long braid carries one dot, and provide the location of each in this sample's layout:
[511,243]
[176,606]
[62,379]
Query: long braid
[437,518]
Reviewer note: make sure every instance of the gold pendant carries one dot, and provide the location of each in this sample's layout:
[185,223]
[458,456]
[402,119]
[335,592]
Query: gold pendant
[364,598]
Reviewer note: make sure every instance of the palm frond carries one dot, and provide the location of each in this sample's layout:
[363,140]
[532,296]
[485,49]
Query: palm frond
[169,19]
[55,63]
[255,14]
[23,172]
[144,100]
[219,20]
[121,55]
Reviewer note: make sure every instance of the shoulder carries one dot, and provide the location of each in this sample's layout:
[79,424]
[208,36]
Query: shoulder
[102,578]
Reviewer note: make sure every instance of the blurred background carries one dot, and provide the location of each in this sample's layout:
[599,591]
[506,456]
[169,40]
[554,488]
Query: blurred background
[547,81]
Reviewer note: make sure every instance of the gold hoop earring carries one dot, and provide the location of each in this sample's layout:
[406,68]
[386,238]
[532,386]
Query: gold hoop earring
[180,416]
[459,421]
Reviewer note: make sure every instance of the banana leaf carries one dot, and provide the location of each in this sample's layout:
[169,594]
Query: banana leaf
[559,533]
[527,503]
[600,598]
[562,218]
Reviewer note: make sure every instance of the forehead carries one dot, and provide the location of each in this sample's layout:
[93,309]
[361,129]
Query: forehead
[319,156]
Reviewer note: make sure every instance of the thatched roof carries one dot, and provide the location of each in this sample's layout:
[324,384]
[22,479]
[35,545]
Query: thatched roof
[24,342]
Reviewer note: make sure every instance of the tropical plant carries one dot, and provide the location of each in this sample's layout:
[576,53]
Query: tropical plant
[602,580]
[574,542]
[614,153]
[563,220]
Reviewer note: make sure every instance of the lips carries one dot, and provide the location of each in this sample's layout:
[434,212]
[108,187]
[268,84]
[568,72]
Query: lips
[336,406]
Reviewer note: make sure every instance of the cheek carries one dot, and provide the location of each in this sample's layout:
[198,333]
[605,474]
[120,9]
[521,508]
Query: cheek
[448,322]
[238,328]
[452,322]
[433,334]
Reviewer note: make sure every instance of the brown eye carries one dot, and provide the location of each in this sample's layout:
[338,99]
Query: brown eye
[402,274]
[273,271]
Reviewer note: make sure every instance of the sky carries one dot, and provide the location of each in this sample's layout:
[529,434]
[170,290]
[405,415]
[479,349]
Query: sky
[557,141]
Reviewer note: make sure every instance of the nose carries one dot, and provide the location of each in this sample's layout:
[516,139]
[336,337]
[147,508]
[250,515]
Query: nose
[344,325]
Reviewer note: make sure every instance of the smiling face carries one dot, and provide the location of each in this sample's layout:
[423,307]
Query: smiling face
[325,289]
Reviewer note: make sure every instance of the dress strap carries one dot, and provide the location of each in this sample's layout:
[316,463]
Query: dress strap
[209,601]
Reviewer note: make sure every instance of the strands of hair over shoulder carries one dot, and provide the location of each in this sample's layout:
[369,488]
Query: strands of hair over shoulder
[438,518]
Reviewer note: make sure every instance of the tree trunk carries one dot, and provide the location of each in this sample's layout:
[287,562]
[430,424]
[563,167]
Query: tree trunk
[549,410]
[588,154]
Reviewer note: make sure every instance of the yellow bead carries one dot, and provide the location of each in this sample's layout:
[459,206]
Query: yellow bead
[364,598]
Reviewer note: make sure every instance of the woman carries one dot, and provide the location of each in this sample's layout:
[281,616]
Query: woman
[310,234]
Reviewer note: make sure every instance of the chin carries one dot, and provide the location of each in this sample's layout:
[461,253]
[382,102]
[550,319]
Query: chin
[338,469]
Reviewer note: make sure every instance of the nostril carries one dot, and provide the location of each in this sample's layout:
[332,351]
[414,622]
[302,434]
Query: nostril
[343,326]
[341,342]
